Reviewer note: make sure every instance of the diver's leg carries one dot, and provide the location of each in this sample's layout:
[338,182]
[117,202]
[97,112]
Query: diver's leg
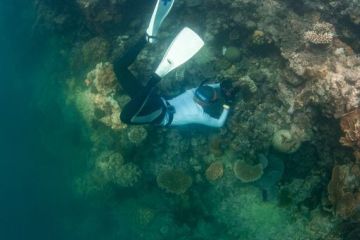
[146,107]
[127,80]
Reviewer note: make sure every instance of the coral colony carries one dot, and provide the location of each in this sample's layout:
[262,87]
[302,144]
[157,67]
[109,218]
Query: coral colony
[286,165]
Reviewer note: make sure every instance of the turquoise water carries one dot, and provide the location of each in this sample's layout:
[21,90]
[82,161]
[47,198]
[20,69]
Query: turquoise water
[42,144]
[68,171]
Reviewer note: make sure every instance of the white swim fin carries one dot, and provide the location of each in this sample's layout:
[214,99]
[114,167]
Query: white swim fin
[162,9]
[185,45]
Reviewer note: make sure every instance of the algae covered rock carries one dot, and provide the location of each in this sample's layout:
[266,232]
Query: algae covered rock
[284,141]
[174,181]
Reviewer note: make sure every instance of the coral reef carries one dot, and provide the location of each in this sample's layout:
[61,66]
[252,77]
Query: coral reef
[321,33]
[284,141]
[110,167]
[248,217]
[350,125]
[297,66]
[137,134]
[174,181]
[233,54]
[97,102]
[214,171]
[247,173]
[344,190]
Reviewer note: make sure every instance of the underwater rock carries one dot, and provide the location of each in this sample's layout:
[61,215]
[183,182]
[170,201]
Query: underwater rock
[273,172]
[174,181]
[247,216]
[344,190]
[103,78]
[233,54]
[94,51]
[246,172]
[273,168]
[350,126]
[100,14]
[96,103]
[259,38]
[331,78]
[137,134]
[193,3]
[214,171]
[248,83]
[284,141]
[106,111]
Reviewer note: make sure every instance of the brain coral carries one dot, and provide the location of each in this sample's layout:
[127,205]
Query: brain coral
[246,172]
[174,181]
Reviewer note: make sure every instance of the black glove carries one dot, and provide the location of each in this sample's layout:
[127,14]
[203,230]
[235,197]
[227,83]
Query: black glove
[228,91]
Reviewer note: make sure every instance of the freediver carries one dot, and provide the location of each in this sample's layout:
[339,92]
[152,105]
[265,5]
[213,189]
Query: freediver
[146,105]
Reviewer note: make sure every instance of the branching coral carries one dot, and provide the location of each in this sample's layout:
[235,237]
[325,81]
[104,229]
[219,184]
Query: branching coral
[322,33]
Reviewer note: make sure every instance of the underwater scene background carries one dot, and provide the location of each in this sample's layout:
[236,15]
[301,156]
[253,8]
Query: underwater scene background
[286,165]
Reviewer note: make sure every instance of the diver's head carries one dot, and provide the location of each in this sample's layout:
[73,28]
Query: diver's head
[205,95]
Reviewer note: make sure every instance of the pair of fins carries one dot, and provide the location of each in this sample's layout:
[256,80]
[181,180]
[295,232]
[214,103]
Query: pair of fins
[184,46]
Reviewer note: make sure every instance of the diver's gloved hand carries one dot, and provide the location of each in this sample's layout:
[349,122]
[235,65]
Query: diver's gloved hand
[228,91]
[162,9]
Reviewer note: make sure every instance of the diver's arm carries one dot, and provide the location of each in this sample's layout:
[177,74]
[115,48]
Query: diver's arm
[216,122]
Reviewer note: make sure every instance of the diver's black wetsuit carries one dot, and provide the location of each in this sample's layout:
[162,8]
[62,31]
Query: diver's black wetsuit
[145,106]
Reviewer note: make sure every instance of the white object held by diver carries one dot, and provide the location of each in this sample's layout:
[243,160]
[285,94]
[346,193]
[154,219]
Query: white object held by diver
[185,45]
